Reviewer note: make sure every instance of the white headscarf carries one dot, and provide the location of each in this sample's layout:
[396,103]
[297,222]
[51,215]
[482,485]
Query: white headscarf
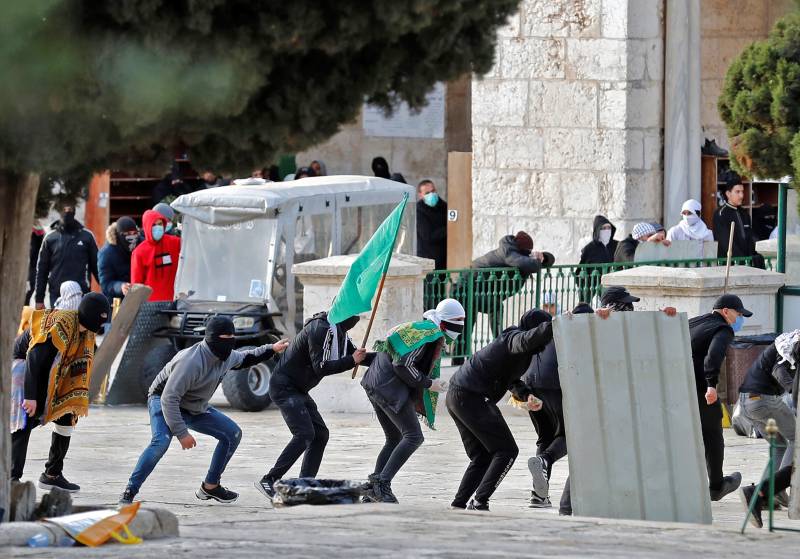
[448,310]
[697,231]
[71,295]
[785,344]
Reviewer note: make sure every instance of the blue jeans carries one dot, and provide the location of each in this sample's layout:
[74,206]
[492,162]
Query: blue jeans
[212,423]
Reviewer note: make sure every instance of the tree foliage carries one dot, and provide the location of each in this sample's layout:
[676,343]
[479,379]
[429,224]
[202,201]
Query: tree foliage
[760,103]
[92,84]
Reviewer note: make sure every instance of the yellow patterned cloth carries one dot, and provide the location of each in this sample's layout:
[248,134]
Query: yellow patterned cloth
[68,385]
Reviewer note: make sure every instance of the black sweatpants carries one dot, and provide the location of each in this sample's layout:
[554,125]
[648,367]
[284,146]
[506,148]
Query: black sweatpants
[309,432]
[713,441]
[59,445]
[488,441]
[549,424]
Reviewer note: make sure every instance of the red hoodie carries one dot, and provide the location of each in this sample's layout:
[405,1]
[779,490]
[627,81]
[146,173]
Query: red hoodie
[154,263]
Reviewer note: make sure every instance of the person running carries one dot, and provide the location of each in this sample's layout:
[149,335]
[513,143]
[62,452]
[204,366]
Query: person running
[398,384]
[541,381]
[472,399]
[319,350]
[711,334]
[178,401]
[58,366]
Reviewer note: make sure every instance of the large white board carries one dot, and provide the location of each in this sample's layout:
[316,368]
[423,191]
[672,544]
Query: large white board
[427,123]
[632,421]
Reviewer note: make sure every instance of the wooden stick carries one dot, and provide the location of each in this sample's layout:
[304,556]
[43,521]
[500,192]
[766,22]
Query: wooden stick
[371,319]
[730,255]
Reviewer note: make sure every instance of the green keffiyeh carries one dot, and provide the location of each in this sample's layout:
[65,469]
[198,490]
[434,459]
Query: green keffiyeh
[405,338]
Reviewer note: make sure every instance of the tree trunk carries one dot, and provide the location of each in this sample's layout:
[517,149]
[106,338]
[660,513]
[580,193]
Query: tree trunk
[17,200]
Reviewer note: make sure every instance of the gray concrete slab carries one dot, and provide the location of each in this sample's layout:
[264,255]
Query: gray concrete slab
[107,443]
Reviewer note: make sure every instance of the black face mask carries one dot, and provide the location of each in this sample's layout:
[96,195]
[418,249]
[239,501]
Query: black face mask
[349,323]
[621,307]
[68,219]
[221,347]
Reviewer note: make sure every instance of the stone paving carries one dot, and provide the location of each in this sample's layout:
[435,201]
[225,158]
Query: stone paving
[107,443]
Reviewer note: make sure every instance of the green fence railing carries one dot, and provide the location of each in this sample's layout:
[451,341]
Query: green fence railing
[495,298]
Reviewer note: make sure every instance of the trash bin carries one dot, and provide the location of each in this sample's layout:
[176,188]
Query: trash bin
[739,357]
[310,491]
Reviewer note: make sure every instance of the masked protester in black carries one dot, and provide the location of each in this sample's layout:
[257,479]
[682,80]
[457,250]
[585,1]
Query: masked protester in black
[319,350]
[472,399]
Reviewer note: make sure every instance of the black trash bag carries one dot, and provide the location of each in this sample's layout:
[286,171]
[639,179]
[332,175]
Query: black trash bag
[310,491]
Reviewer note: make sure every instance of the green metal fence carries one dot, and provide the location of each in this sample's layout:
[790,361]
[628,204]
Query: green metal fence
[495,298]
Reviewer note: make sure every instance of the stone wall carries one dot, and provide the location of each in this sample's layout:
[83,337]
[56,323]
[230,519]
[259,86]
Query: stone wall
[568,123]
[727,26]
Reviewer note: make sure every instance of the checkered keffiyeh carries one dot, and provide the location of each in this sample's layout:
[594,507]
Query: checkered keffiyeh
[642,230]
[785,344]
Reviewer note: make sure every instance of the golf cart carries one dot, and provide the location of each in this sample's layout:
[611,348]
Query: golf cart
[239,243]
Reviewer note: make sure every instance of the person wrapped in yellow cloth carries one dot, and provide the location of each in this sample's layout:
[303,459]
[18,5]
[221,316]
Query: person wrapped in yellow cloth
[58,368]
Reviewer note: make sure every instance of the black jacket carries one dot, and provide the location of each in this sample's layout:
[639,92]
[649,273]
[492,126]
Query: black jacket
[307,359]
[760,378]
[393,383]
[542,372]
[66,254]
[432,232]
[743,243]
[596,252]
[710,335]
[494,369]
[113,265]
[38,363]
[508,255]
[626,249]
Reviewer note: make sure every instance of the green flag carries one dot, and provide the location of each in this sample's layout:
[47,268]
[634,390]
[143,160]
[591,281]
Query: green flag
[359,286]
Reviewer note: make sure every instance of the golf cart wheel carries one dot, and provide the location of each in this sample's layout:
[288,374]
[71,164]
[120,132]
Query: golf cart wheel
[248,390]
[153,363]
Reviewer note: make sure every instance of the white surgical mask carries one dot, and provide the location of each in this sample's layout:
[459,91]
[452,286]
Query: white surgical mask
[691,219]
[605,236]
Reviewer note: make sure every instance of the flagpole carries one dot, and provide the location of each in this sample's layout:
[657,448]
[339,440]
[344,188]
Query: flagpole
[371,318]
[380,290]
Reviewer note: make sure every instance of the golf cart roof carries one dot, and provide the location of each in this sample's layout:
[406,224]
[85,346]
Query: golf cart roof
[235,203]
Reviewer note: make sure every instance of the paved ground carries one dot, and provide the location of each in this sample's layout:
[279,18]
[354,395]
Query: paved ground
[106,445]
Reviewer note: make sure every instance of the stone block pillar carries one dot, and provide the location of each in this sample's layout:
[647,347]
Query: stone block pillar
[568,123]
[401,301]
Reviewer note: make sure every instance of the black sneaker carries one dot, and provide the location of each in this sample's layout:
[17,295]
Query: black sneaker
[746,495]
[219,493]
[538,502]
[477,505]
[266,486]
[127,497]
[729,484]
[370,488]
[47,483]
[385,492]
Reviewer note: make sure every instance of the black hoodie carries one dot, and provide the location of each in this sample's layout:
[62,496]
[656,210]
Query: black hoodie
[432,232]
[596,252]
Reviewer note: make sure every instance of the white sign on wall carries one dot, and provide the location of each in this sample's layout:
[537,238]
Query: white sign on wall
[427,123]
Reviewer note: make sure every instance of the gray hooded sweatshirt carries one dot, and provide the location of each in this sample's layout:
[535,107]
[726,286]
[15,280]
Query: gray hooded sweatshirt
[189,380]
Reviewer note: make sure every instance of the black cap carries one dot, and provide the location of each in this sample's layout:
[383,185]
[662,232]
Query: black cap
[617,294]
[125,223]
[731,302]
[582,308]
[93,311]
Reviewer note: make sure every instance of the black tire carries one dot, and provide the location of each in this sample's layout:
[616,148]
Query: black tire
[154,361]
[249,390]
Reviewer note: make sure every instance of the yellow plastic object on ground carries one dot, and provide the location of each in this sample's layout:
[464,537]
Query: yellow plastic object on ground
[95,528]
[726,417]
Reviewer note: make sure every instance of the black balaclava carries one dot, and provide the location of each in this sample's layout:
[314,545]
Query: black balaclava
[93,311]
[349,323]
[380,167]
[533,318]
[68,219]
[216,327]
[125,224]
